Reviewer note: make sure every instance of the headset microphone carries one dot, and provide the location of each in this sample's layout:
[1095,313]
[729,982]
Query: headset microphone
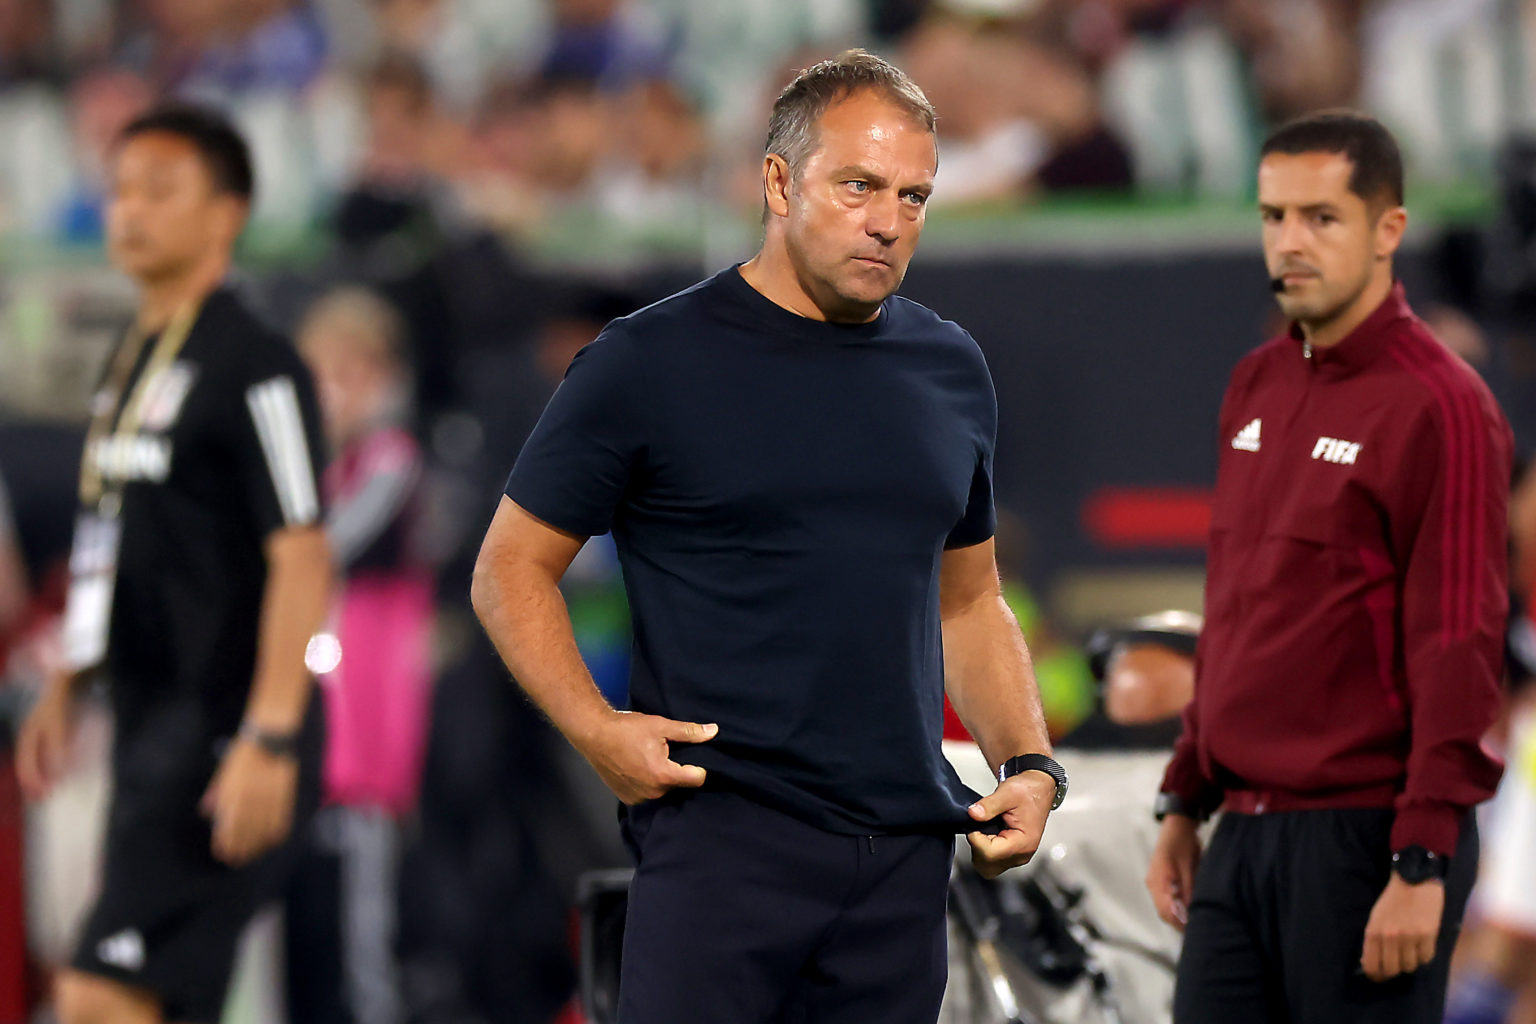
[1277,285]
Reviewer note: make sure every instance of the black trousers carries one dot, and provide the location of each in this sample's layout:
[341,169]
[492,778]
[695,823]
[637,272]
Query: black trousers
[1277,923]
[739,914]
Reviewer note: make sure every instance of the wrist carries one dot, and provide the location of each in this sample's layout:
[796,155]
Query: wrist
[586,730]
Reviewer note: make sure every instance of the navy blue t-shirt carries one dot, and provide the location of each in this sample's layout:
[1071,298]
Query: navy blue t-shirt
[781,490]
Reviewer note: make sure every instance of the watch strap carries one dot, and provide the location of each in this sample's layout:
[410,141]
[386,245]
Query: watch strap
[1415,864]
[1172,803]
[278,744]
[1037,763]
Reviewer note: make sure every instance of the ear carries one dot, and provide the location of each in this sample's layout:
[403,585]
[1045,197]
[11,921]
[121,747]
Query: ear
[232,215]
[776,184]
[1390,227]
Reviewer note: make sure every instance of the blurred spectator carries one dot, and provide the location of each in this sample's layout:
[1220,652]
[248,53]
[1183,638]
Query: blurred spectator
[219,49]
[1454,80]
[654,175]
[735,57]
[27,48]
[1179,94]
[572,119]
[1057,95]
[462,45]
[391,192]
[497,184]
[515,101]
[375,665]
[534,149]
[1304,55]
[1018,116]
[988,149]
[601,41]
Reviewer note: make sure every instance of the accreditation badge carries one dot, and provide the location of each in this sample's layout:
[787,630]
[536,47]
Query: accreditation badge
[92,579]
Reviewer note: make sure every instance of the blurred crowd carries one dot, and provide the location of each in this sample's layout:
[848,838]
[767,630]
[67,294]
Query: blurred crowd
[645,116]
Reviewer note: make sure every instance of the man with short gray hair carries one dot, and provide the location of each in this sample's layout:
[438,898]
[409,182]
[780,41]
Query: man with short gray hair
[796,466]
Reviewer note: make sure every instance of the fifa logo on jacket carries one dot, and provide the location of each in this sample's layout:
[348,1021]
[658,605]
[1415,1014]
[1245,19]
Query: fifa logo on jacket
[1331,449]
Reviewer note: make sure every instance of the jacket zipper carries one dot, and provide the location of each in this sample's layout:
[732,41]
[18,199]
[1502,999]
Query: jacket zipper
[1273,479]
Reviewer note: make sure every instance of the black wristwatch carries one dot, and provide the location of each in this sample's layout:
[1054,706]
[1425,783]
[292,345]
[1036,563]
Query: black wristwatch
[278,744]
[1416,865]
[1036,763]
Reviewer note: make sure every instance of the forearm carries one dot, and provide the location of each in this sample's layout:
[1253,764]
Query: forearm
[293,607]
[991,682]
[525,615]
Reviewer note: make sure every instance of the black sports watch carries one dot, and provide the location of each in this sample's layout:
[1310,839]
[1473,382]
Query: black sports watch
[278,744]
[1036,763]
[1416,865]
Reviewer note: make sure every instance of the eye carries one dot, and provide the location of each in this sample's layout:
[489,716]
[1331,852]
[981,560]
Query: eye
[857,185]
[1270,216]
[916,198]
[1327,218]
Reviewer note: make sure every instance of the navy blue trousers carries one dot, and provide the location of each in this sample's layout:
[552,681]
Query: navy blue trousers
[740,914]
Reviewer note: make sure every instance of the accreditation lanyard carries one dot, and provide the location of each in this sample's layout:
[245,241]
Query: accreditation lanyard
[98,536]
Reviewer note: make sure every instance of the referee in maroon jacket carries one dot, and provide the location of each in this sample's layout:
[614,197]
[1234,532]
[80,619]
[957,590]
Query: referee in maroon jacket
[1355,607]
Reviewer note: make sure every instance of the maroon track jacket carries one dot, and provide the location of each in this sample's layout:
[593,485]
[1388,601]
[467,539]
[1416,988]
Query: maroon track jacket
[1356,584]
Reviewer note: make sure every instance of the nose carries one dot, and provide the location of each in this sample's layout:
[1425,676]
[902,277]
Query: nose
[1291,237]
[883,217]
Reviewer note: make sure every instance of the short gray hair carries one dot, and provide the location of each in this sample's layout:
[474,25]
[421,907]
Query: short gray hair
[792,127]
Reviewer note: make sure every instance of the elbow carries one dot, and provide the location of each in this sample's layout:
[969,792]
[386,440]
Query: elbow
[480,589]
[486,585]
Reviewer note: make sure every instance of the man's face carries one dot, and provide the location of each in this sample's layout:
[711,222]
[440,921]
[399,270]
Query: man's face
[1320,238]
[163,212]
[857,208]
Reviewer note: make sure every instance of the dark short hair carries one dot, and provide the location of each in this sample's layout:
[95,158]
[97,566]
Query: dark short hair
[792,127]
[1377,163]
[220,145]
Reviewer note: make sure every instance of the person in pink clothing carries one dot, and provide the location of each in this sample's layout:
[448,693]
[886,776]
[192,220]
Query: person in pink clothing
[373,663]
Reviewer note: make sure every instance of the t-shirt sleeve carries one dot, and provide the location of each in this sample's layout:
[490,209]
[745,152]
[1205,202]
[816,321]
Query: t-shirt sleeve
[279,446]
[576,465]
[979,522]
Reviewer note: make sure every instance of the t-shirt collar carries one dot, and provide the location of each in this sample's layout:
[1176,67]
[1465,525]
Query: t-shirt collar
[776,317]
[1361,346]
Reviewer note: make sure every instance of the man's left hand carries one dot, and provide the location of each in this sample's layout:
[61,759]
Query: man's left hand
[1023,801]
[250,801]
[1400,936]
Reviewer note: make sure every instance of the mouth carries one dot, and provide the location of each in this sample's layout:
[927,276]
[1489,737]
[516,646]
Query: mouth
[871,261]
[1296,277]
